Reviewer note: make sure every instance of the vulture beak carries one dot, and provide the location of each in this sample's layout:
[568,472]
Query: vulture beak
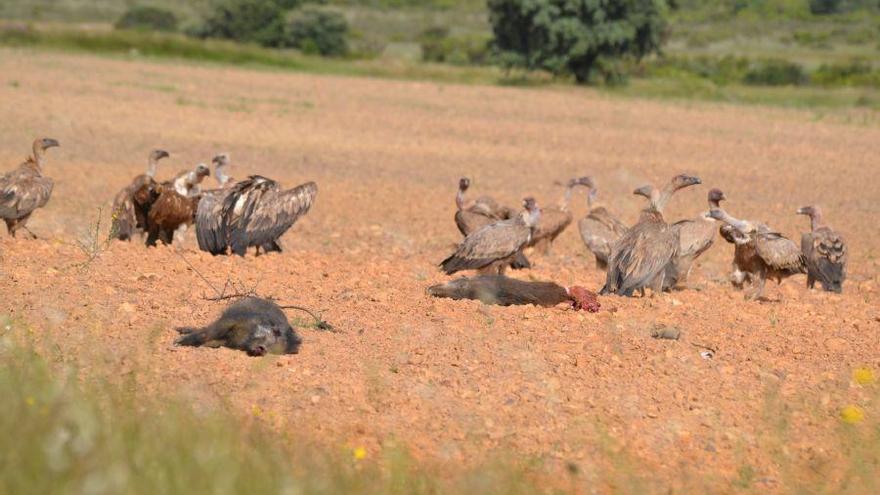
[643,191]
[50,143]
[801,211]
[692,180]
[162,154]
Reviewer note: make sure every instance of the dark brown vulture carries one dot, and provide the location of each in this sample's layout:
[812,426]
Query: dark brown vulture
[257,212]
[133,202]
[553,221]
[695,237]
[639,258]
[760,253]
[472,216]
[599,229]
[25,189]
[209,216]
[173,210]
[825,252]
[491,249]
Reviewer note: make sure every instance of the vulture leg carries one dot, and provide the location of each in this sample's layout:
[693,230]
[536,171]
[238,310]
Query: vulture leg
[10,226]
[519,262]
[811,282]
[657,286]
[166,236]
[153,235]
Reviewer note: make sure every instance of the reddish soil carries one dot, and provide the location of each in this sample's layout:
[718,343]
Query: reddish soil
[453,381]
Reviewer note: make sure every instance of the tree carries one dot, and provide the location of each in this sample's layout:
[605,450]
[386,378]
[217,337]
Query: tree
[585,38]
[318,30]
[255,21]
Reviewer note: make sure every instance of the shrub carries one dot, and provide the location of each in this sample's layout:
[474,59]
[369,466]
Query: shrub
[255,21]
[824,7]
[438,46]
[855,73]
[775,72]
[147,18]
[586,38]
[318,30]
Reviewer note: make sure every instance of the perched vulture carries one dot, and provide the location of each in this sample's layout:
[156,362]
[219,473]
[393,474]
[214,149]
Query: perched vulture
[25,189]
[760,254]
[491,248]
[825,252]
[472,216]
[172,210]
[133,202]
[599,229]
[639,258]
[553,221]
[695,237]
[257,212]
[498,289]
[209,216]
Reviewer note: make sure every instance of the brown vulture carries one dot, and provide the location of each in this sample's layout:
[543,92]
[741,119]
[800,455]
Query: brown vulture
[760,253]
[257,212]
[599,229]
[491,248]
[474,215]
[25,189]
[132,204]
[825,252]
[172,210]
[639,258]
[553,221]
[695,237]
[209,216]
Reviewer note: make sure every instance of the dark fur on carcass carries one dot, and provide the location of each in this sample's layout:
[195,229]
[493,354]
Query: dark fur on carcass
[504,291]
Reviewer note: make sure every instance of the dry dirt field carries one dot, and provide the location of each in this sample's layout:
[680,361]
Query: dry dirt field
[454,382]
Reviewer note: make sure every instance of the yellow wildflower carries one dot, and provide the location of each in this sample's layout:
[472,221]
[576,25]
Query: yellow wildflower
[359,453]
[864,376]
[852,414]
[30,401]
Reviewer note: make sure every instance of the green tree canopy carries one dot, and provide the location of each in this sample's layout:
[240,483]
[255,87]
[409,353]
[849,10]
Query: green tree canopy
[585,38]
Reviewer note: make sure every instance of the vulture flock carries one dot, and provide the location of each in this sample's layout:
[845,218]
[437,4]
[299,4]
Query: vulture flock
[651,254]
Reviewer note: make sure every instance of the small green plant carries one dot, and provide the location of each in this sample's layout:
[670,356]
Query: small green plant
[148,19]
[775,72]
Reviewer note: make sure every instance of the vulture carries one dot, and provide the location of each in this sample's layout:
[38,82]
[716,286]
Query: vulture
[132,204]
[553,221]
[172,210]
[209,217]
[599,229]
[25,189]
[760,253]
[695,237]
[257,212]
[504,291]
[473,216]
[639,258]
[825,252]
[491,248]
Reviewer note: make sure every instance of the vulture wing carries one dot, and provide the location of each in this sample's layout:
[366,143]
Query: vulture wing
[695,236]
[599,231]
[123,216]
[470,221]
[827,257]
[22,191]
[489,244]
[639,256]
[268,215]
[210,230]
[552,222]
[779,252]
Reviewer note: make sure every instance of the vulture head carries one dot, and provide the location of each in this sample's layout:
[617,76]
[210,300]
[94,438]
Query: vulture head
[221,160]
[810,211]
[683,180]
[202,171]
[532,212]
[463,184]
[649,192]
[742,229]
[158,154]
[586,181]
[716,196]
[45,143]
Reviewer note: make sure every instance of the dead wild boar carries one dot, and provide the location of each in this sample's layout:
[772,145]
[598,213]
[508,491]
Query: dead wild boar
[254,325]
